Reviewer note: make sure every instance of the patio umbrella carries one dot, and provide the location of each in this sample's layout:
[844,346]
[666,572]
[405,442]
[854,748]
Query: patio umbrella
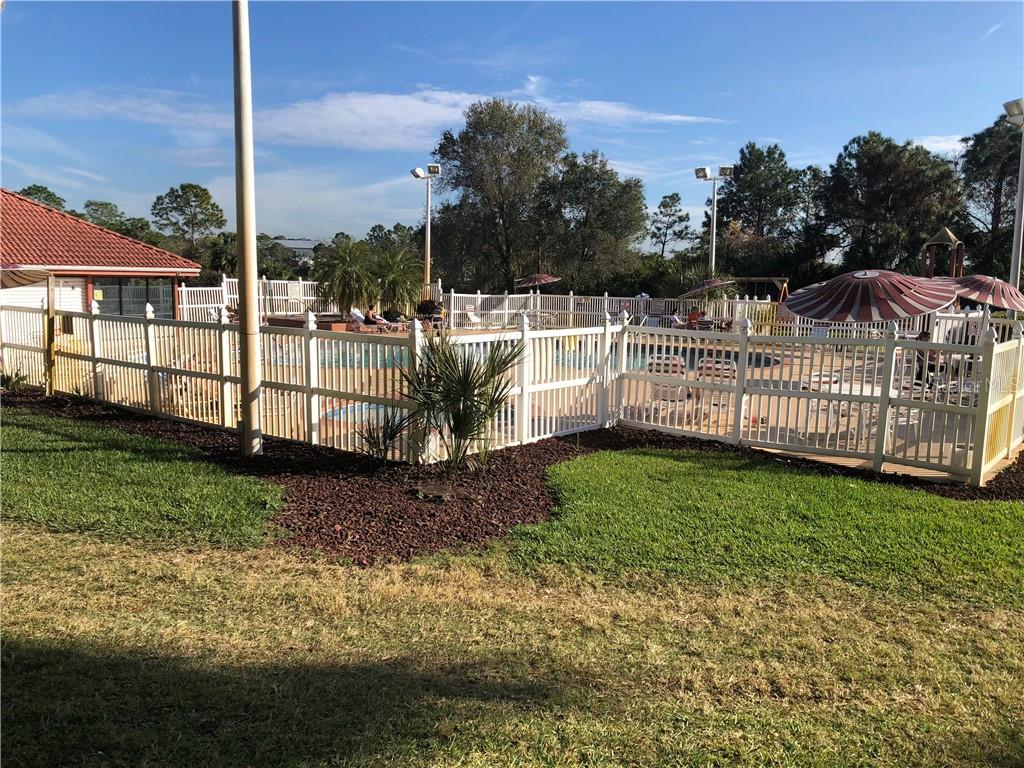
[532,281]
[987,290]
[870,296]
[707,287]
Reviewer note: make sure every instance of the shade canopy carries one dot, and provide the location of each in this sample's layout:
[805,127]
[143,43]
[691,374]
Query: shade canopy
[532,281]
[988,290]
[869,296]
[707,287]
[15,278]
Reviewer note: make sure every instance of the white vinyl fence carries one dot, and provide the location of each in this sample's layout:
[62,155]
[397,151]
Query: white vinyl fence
[954,408]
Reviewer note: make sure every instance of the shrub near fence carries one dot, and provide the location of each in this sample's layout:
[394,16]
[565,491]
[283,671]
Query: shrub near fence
[873,399]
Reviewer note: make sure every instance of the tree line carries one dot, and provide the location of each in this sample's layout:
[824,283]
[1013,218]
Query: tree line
[517,200]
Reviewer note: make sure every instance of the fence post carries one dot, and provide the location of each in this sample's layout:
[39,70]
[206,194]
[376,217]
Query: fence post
[884,417]
[739,406]
[50,337]
[227,407]
[451,309]
[1015,384]
[96,347]
[620,363]
[151,361]
[421,447]
[523,376]
[312,381]
[572,310]
[982,414]
[606,302]
[604,401]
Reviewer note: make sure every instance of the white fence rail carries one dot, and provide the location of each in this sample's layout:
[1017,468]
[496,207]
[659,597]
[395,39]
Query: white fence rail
[956,408]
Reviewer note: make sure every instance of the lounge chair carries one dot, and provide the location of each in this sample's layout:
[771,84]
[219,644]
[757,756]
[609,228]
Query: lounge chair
[363,327]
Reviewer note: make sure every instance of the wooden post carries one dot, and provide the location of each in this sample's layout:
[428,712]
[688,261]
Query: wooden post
[1015,385]
[981,414]
[884,417]
[96,348]
[523,374]
[50,336]
[151,362]
[312,381]
[739,406]
[227,405]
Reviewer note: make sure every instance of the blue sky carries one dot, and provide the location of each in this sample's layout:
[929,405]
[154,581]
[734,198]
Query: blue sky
[120,101]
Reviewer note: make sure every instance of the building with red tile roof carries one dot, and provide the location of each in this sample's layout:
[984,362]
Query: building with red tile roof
[87,261]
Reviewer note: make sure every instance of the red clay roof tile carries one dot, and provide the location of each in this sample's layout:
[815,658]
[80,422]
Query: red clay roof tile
[32,234]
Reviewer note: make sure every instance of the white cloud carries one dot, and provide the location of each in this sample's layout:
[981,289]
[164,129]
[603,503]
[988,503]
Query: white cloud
[314,202]
[22,137]
[160,107]
[991,31]
[943,145]
[365,120]
[86,174]
[361,120]
[36,174]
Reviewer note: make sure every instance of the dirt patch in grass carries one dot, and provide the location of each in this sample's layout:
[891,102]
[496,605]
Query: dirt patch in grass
[348,506]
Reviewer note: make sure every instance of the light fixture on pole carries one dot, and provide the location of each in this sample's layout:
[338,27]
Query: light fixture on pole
[432,172]
[704,174]
[1015,115]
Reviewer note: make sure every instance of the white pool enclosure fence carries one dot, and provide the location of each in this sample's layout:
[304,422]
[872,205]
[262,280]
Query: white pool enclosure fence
[955,408]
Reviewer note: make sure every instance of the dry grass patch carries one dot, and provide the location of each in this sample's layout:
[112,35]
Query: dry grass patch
[114,652]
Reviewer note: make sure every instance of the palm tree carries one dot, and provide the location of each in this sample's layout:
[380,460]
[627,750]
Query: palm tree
[400,275]
[222,253]
[345,273]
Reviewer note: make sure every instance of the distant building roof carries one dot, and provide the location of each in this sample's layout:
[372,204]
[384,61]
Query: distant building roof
[35,235]
[298,243]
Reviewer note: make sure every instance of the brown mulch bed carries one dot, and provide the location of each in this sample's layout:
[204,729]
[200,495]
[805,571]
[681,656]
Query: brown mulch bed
[348,506]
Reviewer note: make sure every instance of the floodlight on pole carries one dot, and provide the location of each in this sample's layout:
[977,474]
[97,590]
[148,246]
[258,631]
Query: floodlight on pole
[432,172]
[1015,116]
[704,174]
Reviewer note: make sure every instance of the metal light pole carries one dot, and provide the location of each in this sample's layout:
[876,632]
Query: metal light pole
[1015,115]
[250,428]
[432,172]
[704,174]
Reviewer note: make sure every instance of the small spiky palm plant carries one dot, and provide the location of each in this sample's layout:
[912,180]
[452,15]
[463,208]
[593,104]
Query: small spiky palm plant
[458,394]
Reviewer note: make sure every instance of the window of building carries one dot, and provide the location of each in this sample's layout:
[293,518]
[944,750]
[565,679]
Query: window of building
[129,295]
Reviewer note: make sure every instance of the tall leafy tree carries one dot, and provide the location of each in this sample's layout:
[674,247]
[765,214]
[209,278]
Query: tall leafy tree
[886,199]
[756,211]
[222,253]
[380,238]
[669,224]
[988,166]
[103,214]
[43,195]
[496,164]
[596,220]
[276,261]
[188,211]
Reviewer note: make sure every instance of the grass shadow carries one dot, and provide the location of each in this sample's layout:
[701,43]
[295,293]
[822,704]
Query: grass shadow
[70,704]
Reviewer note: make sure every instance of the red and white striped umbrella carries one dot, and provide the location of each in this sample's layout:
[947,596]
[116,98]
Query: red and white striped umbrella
[870,296]
[989,290]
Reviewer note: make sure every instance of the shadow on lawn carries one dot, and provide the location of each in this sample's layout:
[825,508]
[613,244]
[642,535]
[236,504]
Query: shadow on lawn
[66,704]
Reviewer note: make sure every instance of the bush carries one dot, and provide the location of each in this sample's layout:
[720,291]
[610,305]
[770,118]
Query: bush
[428,308]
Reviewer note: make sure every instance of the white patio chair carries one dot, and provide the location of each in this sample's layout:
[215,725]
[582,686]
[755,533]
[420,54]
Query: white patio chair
[667,395]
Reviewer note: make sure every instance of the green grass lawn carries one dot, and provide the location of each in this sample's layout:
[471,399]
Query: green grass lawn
[683,609]
[717,516]
[68,475]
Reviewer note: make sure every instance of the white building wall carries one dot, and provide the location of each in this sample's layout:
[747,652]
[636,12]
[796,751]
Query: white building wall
[70,293]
